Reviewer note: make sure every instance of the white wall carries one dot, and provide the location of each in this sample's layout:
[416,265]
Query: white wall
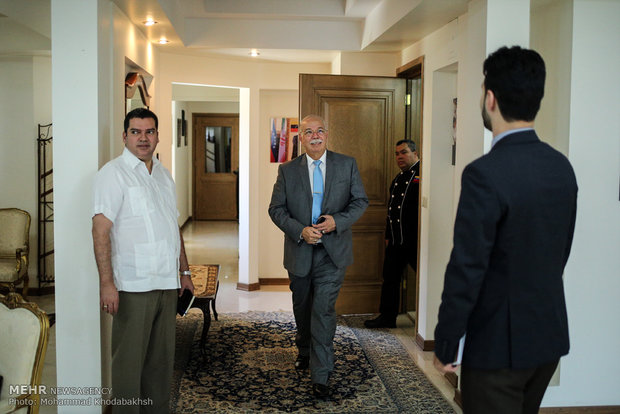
[273,103]
[181,160]
[551,35]
[127,41]
[367,64]
[439,158]
[588,133]
[94,60]
[589,372]
[440,51]
[254,76]
[214,107]
[25,101]
[75,61]
[465,41]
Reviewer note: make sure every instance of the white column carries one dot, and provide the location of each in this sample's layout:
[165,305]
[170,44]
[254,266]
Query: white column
[588,374]
[248,187]
[490,25]
[75,113]
[508,24]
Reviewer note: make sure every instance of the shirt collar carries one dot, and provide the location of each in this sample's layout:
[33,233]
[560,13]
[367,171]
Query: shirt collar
[322,159]
[504,134]
[133,161]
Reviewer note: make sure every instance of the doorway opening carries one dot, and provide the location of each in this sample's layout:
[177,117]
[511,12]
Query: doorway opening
[413,72]
[223,142]
[216,166]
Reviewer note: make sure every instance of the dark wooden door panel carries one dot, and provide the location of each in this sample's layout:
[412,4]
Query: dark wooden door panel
[368,248]
[365,117]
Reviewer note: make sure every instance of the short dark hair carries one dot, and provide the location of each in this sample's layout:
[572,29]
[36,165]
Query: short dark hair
[141,113]
[517,78]
[409,143]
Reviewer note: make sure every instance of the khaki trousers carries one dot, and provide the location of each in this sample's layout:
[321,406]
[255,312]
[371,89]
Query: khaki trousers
[143,338]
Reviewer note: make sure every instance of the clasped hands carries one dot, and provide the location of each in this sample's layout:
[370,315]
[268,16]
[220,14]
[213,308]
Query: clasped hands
[312,234]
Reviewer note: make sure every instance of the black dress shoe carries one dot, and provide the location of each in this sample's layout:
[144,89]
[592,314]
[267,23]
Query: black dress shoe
[320,391]
[379,322]
[302,362]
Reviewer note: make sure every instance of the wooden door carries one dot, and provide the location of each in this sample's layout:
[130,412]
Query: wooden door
[216,166]
[365,118]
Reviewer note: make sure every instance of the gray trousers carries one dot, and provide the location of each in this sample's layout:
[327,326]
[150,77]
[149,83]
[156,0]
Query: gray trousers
[143,337]
[314,301]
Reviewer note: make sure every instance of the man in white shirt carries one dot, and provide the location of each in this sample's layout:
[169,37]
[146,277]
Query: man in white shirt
[139,251]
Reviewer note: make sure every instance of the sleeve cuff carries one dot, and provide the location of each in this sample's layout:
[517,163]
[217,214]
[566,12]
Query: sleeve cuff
[446,350]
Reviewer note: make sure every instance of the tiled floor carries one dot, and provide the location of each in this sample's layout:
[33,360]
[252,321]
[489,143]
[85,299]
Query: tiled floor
[217,242]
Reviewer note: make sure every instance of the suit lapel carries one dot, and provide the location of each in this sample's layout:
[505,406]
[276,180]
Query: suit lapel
[304,178]
[329,177]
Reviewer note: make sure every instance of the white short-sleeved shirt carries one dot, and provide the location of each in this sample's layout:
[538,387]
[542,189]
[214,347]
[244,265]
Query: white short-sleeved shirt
[145,233]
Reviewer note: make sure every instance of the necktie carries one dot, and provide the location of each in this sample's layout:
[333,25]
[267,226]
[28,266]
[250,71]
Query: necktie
[317,191]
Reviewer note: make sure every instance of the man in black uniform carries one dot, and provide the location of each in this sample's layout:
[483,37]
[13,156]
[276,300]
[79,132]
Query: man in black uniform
[401,232]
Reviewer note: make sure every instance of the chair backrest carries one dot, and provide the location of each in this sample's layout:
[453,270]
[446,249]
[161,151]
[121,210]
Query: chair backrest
[23,343]
[14,230]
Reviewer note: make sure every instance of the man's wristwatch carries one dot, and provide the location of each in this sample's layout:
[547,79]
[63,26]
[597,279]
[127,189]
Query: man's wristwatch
[186,273]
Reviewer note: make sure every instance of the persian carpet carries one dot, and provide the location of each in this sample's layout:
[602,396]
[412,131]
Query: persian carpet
[247,367]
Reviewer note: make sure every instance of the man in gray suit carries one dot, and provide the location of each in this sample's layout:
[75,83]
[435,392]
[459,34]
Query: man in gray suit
[316,199]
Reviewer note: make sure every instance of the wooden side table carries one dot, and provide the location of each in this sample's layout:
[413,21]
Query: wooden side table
[206,286]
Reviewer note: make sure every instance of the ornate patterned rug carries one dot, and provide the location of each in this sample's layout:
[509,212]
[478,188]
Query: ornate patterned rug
[247,367]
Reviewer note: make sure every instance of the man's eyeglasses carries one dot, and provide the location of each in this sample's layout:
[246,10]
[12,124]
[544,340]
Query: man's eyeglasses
[309,132]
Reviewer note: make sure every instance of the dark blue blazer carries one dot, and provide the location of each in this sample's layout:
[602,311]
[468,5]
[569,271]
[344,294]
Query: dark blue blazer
[512,237]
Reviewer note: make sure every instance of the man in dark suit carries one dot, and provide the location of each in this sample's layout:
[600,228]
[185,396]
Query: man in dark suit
[316,199]
[512,237]
[401,233]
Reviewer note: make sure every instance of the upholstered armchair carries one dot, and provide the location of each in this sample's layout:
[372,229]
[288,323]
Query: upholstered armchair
[14,248]
[23,343]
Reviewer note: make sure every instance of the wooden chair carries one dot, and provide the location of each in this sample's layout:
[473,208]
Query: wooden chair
[23,342]
[14,248]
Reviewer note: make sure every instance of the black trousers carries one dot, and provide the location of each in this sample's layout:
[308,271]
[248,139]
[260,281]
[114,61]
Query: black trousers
[396,259]
[506,391]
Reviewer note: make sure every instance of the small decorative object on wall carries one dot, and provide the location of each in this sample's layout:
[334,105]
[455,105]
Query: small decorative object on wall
[135,81]
[179,131]
[284,139]
[184,124]
[454,101]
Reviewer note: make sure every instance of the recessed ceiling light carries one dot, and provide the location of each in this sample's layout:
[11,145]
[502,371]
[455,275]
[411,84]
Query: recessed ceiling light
[163,41]
[254,53]
[149,22]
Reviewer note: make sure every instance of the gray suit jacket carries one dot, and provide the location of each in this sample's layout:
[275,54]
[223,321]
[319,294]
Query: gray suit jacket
[291,209]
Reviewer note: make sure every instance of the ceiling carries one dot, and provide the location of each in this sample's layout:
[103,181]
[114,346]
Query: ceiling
[281,30]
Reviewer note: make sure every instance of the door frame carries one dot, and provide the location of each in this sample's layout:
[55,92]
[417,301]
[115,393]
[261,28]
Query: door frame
[412,70]
[316,91]
[234,153]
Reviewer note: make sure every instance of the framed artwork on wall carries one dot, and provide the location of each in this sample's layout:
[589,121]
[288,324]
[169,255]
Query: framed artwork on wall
[284,138]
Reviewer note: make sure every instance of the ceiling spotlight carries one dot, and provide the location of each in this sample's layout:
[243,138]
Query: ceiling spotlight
[163,41]
[149,22]
[254,53]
